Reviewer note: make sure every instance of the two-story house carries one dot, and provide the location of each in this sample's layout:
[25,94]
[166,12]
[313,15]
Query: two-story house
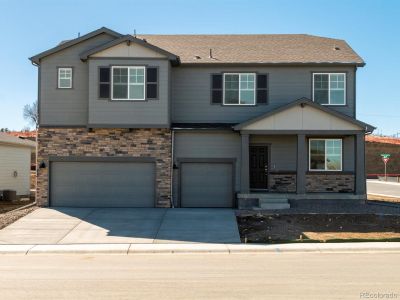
[198,120]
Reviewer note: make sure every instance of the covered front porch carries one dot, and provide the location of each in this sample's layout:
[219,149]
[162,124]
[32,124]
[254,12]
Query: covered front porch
[301,151]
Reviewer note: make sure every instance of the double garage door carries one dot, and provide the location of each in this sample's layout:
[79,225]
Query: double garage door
[132,184]
[102,184]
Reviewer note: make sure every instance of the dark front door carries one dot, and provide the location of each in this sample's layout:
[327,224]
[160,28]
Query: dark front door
[258,167]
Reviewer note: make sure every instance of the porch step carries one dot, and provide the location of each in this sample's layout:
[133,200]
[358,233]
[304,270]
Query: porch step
[272,200]
[258,201]
[269,205]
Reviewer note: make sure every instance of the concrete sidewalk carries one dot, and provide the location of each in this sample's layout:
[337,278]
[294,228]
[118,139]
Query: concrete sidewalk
[132,249]
[382,188]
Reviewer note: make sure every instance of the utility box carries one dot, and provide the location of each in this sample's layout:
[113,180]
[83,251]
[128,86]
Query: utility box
[9,195]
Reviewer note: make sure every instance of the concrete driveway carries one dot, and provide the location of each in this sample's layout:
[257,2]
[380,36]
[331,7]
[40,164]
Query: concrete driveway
[382,188]
[123,225]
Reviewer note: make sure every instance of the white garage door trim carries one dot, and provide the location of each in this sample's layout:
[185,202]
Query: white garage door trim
[231,161]
[101,159]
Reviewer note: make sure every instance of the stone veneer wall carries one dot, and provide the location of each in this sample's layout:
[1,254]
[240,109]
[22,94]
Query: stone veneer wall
[333,183]
[282,183]
[150,142]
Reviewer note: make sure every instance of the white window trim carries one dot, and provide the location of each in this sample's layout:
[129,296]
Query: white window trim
[329,88]
[144,83]
[326,169]
[243,104]
[59,78]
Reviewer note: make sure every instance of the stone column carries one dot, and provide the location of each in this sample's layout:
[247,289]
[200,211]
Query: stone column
[360,188]
[301,164]
[244,167]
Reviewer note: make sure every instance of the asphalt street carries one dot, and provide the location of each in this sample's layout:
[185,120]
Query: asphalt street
[201,276]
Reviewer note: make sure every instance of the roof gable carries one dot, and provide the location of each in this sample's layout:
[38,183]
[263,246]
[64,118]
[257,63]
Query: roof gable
[128,46]
[303,114]
[36,58]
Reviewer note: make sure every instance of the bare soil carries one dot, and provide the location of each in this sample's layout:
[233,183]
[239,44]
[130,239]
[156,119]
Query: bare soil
[279,228]
[383,199]
[6,206]
[9,215]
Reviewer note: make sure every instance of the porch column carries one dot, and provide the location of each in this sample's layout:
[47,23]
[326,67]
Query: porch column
[244,168]
[360,184]
[301,164]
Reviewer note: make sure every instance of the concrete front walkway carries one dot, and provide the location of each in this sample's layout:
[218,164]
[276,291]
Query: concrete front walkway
[122,225]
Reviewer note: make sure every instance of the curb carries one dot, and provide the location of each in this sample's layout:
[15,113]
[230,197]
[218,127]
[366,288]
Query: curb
[135,249]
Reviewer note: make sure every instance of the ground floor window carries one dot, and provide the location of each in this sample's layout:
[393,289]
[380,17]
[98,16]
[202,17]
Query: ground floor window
[325,154]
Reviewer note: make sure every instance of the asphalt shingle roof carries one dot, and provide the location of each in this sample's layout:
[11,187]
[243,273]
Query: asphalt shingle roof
[13,140]
[382,139]
[256,48]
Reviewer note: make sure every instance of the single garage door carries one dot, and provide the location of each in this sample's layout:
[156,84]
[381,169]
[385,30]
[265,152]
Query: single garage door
[102,184]
[206,184]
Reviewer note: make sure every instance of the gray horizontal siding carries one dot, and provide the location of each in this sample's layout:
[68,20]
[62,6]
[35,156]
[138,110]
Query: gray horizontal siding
[66,107]
[191,92]
[124,113]
[283,151]
[348,154]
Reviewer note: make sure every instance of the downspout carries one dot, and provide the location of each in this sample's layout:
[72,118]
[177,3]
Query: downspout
[172,167]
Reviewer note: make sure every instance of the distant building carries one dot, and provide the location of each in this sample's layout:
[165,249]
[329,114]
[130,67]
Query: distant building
[377,145]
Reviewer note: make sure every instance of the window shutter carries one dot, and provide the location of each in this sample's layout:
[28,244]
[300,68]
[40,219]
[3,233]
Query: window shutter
[152,83]
[262,89]
[104,83]
[216,89]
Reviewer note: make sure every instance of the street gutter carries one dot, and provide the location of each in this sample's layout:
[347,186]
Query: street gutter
[135,249]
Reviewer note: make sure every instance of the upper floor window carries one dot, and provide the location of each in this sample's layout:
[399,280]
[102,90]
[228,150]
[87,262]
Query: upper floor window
[239,89]
[128,83]
[325,154]
[329,88]
[64,78]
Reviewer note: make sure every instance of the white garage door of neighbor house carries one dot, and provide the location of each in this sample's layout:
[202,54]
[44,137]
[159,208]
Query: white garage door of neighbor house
[206,184]
[102,184]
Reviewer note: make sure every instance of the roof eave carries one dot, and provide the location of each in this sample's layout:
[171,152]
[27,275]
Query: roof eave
[36,58]
[216,63]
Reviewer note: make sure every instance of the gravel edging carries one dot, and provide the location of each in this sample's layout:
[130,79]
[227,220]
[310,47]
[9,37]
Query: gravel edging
[12,216]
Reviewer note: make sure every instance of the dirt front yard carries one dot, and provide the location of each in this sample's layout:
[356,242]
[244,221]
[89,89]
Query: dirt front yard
[281,228]
[383,199]
[9,215]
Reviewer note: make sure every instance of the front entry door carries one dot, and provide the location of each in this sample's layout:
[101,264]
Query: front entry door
[258,167]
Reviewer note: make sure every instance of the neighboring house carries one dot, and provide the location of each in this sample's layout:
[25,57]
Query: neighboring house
[198,120]
[28,135]
[15,163]
[377,145]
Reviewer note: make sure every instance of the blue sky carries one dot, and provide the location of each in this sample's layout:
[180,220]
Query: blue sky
[372,28]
